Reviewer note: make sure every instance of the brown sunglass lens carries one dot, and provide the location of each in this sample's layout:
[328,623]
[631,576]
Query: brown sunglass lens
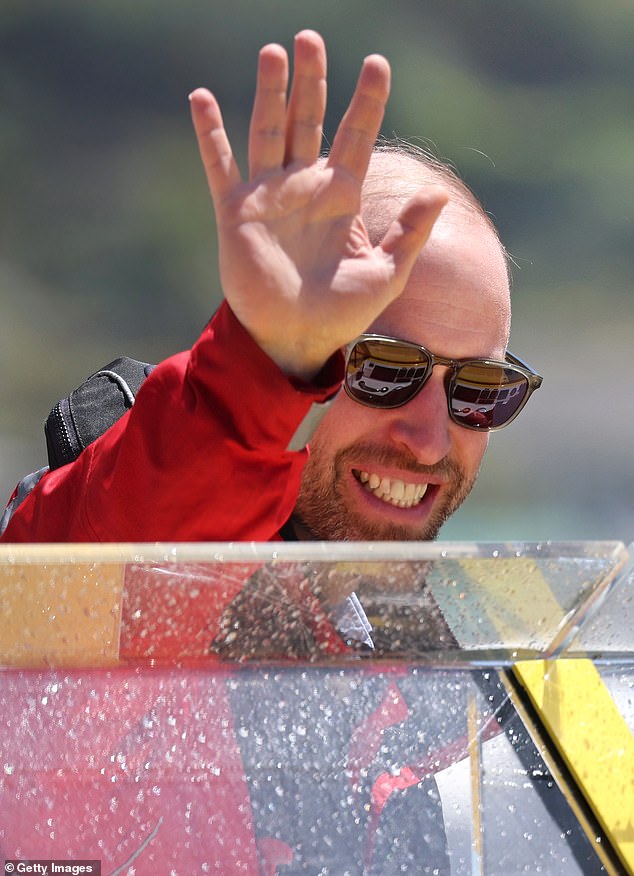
[486,396]
[385,375]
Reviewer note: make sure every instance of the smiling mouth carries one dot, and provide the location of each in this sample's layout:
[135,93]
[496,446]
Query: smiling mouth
[394,491]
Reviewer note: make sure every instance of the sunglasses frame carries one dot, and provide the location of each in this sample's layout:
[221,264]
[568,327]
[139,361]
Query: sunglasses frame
[533,379]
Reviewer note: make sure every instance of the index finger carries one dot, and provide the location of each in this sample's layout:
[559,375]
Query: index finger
[220,166]
[360,126]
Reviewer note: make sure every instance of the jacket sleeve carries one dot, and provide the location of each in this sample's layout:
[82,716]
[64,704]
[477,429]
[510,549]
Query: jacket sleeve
[203,455]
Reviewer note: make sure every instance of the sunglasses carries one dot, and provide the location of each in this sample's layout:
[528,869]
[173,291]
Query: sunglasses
[482,394]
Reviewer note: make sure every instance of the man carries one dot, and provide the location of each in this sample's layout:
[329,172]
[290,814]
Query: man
[312,254]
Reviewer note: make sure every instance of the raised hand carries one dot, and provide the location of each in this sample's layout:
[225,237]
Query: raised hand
[296,264]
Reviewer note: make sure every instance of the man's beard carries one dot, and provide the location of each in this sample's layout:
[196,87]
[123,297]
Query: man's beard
[323,511]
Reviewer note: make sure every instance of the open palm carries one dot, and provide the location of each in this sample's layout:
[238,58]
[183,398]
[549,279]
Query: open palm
[296,264]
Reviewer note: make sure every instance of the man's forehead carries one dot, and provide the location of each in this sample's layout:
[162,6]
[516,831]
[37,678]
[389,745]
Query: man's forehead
[457,296]
[459,327]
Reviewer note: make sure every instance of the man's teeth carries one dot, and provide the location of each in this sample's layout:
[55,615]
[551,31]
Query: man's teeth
[392,490]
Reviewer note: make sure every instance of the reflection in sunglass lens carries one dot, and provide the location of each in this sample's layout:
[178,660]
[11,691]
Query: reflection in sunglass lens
[385,375]
[486,396]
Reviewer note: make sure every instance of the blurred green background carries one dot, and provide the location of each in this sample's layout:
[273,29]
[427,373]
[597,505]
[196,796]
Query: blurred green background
[107,237]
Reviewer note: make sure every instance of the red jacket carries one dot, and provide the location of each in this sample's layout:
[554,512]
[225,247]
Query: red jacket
[182,464]
[158,771]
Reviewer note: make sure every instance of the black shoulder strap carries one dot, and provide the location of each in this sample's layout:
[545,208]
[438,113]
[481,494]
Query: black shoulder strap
[81,417]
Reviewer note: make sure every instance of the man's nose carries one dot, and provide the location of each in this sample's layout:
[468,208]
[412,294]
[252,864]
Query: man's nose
[423,425]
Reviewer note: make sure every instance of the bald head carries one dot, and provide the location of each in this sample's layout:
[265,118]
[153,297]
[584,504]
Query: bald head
[396,172]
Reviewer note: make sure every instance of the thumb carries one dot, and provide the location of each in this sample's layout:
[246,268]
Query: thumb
[410,231]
